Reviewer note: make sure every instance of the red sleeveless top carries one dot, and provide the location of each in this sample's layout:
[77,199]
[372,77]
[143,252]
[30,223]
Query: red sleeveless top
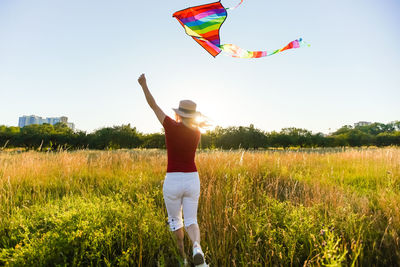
[181,142]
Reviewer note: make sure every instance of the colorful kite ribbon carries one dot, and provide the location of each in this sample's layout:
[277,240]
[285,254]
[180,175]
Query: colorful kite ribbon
[232,8]
[203,23]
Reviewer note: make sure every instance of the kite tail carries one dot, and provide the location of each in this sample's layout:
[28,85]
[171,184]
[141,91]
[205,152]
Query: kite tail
[238,52]
[231,8]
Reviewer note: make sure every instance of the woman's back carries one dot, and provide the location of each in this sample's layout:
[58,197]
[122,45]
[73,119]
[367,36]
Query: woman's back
[181,142]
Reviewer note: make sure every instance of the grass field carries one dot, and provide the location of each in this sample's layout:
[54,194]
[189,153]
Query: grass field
[276,208]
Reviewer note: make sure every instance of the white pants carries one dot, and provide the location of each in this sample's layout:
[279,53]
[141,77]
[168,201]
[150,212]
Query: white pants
[181,190]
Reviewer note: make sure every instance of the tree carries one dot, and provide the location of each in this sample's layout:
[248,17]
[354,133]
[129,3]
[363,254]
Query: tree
[155,140]
[115,137]
[388,139]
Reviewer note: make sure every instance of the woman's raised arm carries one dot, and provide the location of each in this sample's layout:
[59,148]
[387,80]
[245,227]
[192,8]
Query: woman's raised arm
[150,99]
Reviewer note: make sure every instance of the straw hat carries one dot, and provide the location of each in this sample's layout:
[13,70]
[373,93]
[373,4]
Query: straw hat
[187,109]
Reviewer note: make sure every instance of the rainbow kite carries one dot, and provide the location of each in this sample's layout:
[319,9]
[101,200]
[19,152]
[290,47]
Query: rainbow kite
[203,22]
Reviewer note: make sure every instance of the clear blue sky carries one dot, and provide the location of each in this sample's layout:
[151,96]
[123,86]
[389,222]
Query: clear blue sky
[81,59]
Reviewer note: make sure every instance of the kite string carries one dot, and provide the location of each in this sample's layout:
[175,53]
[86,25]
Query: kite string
[231,8]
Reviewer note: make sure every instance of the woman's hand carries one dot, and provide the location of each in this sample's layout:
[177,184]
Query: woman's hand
[142,80]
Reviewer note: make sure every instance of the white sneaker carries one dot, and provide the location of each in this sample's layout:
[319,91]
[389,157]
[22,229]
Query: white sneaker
[198,255]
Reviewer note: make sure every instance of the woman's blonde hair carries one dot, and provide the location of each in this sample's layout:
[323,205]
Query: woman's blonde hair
[191,122]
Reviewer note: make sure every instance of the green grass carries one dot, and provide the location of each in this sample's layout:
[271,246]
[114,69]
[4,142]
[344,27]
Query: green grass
[276,208]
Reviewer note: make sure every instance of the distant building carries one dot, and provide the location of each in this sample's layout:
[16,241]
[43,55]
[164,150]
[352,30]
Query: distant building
[362,123]
[32,119]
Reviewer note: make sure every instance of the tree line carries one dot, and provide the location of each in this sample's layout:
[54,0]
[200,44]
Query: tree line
[59,136]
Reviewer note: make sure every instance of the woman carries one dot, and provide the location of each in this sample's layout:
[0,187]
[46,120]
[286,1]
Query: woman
[181,188]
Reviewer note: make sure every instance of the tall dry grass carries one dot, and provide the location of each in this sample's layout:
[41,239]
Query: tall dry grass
[256,208]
